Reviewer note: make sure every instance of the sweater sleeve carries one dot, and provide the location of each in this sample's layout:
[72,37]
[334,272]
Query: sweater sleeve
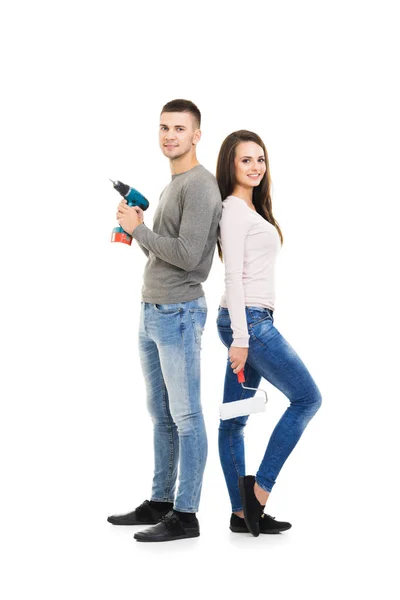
[185,251]
[234,227]
[143,248]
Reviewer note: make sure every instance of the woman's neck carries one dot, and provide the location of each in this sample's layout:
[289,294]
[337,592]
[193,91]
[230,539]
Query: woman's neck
[245,194]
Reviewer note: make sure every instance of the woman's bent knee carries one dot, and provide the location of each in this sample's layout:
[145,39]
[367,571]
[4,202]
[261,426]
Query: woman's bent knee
[315,400]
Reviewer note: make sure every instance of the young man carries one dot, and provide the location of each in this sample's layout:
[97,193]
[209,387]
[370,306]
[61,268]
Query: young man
[180,251]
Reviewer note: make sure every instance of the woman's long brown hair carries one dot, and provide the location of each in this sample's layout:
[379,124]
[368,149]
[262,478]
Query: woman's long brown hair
[226,177]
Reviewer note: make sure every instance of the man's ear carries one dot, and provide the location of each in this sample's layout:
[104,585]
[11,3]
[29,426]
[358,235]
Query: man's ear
[196,137]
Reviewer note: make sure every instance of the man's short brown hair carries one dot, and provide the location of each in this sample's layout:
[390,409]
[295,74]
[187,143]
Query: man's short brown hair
[183,106]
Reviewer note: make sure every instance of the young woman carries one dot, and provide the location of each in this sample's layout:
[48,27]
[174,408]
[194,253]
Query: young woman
[249,241]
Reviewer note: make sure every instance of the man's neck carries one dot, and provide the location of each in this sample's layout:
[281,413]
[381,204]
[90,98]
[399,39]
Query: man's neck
[183,164]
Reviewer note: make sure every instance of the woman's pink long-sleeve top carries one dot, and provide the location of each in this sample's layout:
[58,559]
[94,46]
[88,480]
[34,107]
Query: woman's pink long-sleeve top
[249,245]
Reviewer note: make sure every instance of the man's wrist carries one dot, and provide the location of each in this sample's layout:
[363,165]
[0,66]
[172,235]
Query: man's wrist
[134,229]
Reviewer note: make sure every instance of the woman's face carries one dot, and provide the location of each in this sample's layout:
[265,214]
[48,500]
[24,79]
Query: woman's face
[249,164]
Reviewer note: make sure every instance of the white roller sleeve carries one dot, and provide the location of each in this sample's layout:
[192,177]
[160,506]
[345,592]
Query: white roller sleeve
[241,408]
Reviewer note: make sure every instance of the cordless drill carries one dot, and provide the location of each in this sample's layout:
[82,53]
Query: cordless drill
[134,198]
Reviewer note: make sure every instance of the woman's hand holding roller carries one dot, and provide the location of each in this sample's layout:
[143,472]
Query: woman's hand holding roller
[238,357]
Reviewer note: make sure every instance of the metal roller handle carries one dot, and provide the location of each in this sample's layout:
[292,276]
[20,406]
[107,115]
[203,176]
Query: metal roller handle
[241,380]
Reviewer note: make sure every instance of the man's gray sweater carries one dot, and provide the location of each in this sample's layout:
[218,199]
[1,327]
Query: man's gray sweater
[180,249]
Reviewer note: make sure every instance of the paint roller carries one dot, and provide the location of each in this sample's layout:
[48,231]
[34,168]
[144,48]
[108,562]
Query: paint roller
[241,408]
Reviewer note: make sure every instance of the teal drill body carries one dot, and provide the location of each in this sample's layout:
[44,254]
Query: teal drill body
[133,198]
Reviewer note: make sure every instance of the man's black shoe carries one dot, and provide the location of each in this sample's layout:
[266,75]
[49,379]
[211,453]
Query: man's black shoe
[145,514]
[169,528]
[251,507]
[267,523]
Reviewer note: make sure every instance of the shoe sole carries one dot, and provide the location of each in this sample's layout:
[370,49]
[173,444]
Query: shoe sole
[277,531]
[263,532]
[136,523]
[242,491]
[178,537]
[239,530]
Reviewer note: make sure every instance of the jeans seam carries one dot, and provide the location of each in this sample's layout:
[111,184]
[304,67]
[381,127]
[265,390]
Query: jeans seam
[171,446]
[187,400]
[242,393]
[233,453]
[197,338]
[196,442]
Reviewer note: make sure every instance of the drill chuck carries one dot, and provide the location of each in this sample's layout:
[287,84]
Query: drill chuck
[133,197]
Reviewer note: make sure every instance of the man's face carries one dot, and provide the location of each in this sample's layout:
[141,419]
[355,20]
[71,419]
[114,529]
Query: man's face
[178,133]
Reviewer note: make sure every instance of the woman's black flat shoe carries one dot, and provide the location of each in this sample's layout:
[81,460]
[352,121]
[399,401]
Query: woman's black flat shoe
[251,507]
[268,524]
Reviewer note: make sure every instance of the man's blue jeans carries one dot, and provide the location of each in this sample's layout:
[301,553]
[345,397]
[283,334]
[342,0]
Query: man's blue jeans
[272,358]
[169,345]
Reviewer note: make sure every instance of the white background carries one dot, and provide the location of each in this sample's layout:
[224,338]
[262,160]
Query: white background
[83,85]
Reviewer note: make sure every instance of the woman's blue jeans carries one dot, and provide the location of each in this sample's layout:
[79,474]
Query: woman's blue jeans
[169,348]
[270,357]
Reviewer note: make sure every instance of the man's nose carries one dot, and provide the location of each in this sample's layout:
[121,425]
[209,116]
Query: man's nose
[170,134]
